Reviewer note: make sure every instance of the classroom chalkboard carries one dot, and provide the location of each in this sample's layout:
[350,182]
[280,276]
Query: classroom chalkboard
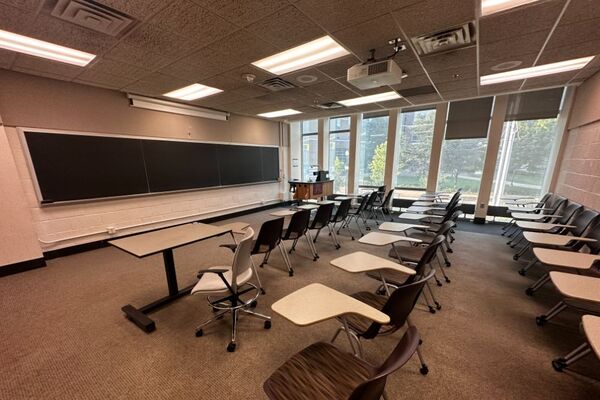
[82,167]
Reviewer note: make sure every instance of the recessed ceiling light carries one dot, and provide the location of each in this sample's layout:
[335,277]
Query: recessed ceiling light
[305,55]
[39,48]
[532,72]
[280,113]
[193,92]
[493,6]
[506,65]
[375,98]
[306,78]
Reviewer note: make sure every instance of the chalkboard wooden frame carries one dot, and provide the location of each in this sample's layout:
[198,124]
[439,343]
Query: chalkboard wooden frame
[23,131]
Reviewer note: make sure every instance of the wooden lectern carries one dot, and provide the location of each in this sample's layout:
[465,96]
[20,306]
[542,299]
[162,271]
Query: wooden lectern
[312,190]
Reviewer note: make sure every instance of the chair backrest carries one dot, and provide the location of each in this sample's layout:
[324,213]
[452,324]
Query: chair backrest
[426,258]
[388,199]
[569,212]
[342,211]
[298,225]
[556,205]
[399,306]
[372,389]
[363,204]
[268,236]
[322,216]
[594,233]
[544,200]
[241,258]
[582,221]
[445,228]
[371,200]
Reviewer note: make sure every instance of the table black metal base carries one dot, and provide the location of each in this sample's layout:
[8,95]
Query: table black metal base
[138,315]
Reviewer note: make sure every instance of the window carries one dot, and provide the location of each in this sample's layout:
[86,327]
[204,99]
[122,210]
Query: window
[413,149]
[372,147]
[523,163]
[461,166]
[339,151]
[310,144]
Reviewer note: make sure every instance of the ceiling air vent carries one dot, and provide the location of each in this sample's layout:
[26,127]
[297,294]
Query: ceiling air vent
[277,84]
[92,15]
[328,106]
[446,40]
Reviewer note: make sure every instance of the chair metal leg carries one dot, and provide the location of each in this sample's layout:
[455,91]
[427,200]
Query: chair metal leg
[446,259]
[234,321]
[554,311]
[522,252]
[438,306]
[215,317]
[424,369]
[562,362]
[256,315]
[524,270]
[442,268]
[284,255]
[337,333]
[260,286]
[312,245]
[429,306]
[333,236]
[538,284]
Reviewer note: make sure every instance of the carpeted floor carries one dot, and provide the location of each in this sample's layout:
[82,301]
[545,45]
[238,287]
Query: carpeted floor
[63,335]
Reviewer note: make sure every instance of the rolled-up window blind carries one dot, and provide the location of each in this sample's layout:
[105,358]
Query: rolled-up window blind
[541,104]
[469,119]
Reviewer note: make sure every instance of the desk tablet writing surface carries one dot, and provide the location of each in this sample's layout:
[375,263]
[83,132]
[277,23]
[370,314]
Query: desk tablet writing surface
[76,167]
[180,165]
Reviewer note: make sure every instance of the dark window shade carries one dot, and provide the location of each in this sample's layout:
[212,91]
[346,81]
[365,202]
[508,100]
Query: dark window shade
[469,119]
[541,104]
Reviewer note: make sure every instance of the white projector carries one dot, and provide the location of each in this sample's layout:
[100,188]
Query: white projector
[374,75]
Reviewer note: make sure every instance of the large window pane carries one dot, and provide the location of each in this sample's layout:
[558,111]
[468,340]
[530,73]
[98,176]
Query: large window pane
[461,167]
[310,160]
[523,159]
[413,149]
[371,150]
[339,148]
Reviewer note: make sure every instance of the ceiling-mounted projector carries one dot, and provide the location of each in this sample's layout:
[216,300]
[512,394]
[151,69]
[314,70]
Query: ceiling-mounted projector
[374,74]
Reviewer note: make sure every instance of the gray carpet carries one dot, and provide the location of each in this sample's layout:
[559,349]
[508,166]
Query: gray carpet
[63,335]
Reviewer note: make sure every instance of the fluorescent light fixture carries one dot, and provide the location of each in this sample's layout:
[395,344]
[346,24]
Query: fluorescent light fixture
[149,103]
[375,98]
[280,113]
[532,72]
[193,92]
[493,6]
[39,48]
[305,55]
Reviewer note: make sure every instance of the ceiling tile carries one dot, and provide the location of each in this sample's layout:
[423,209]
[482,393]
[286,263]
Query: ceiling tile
[151,38]
[580,10]
[433,15]
[460,94]
[116,68]
[334,15]
[412,81]
[503,49]
[30,5]
[242,12]
[239,48]
[450,60]
[6,58]
[454,74]
[329,88]
[425,99]
[306,77]
[372,34]
[550,80]
[519,21]
[449,86]
[25,63]
[183,70]
[368,108]
[286,28]
[156,84]
[16,20]
[573,34]
[395,103]
[137,56]
[187,19]
[500,87]
[237,73]
[139,9]
[223,82]
[526,61]
[339,67]
[99,78]
[232,96]
[571,51]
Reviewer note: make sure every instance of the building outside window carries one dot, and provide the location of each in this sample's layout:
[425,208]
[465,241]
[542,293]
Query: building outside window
[372,147]
[339,153]
[310,148]
[413,150]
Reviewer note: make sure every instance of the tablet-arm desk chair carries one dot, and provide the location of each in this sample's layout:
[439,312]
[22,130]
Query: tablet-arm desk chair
[355,216]
[233,283]
[322,371]
[321,220]
[297,228]
[398,307]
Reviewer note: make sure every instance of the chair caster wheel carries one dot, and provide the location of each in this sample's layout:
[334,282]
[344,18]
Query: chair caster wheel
[516,257]
[448,280]
[231,347]
[529,291]
[541,320]
[431,310]
[262,265]
[438,306]
[291,273]
[558,364]
[267,324]
[338,247]
[424,370]
[448,264]
[199,333]
[253,304]
[315,258]
[509,243]
[450,251]
[522,272]
[438,283]
[353,238]
[262,291]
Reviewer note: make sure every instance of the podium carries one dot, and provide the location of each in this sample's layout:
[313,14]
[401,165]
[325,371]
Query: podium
[311,190]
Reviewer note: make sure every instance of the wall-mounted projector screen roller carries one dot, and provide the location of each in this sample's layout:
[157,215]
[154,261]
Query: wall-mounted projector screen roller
[72,167]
